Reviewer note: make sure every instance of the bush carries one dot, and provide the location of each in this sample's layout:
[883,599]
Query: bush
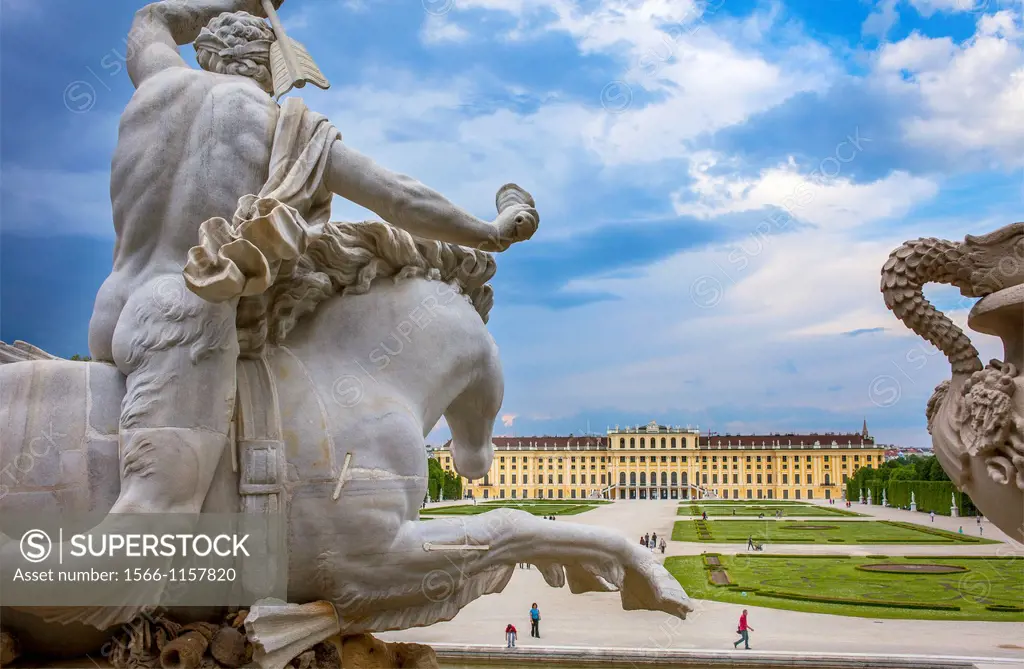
[1005,608]
[793,555]
[856,602]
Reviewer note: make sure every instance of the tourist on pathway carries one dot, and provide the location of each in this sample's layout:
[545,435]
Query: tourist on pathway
[654,539]
[535,621]
[750,542]
[510,635]
[643,542]
[933,516]
[744,631]
[647,539]
[663,545]
[704,516]
[961,530]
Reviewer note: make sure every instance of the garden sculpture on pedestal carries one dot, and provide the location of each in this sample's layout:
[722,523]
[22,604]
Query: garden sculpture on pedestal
[230,348]
[976,418]
[913,502]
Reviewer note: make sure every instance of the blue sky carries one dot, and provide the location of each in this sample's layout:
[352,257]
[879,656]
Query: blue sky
[658,138]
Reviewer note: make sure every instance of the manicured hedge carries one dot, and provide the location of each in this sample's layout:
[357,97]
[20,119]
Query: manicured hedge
[928,530]
[928,495]
[793,555]
[856,602]
[1005,608]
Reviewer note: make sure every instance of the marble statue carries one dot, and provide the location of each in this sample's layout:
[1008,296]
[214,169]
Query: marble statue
[862,496]
[913,501]
[885,500]
[238,367]
[976,418]
[869,495]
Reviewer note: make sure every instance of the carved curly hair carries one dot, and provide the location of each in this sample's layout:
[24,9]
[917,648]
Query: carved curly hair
[237,43]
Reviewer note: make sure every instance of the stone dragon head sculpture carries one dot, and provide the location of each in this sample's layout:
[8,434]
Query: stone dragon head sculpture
[976,419]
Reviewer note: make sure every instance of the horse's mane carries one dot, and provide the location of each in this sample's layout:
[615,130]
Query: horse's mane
[345,260]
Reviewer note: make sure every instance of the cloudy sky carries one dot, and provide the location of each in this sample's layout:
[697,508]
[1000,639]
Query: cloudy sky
[663,141]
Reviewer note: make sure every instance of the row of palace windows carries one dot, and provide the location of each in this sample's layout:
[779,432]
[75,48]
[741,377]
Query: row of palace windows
[643,442]
[670,478]
[551,479]
[582,494]
[539,494]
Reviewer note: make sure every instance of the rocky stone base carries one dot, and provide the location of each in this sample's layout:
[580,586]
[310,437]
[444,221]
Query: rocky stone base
[149,643]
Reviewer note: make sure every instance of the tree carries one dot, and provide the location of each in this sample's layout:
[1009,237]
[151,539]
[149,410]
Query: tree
[80,358]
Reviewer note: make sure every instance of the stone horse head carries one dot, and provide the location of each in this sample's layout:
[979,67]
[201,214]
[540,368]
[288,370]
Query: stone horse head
[376,336]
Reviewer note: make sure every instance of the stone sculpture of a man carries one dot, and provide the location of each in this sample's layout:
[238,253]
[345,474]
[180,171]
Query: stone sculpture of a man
[191,144]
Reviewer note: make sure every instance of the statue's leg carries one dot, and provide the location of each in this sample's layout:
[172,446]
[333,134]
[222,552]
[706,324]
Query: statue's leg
[436,567]
[179,354]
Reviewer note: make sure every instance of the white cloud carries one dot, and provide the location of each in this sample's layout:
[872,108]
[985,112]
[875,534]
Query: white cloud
[927,8]
[439,29]
[971,94]
[822,197]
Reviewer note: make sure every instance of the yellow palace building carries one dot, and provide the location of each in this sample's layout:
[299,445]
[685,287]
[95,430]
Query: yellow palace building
[662,462]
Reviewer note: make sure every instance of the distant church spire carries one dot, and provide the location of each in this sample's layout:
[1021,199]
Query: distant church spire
[864,432]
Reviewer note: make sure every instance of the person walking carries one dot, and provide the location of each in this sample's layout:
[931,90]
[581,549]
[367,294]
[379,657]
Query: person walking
[704,515]
[654,539]
[933,516]
[744,631]
[663,544]
[647,540]
[961,530]
[510,635]
[750,542]
[535,621]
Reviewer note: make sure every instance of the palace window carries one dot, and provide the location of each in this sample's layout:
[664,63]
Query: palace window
[760,493]
[798,494]
[714,478]
[513,478]
[526,478]
[632,478]
[622,443]
[622,478]
[632,442]
[759,481]
[735,494]
[785,494]
[796,479]
[664,458]
[748,478]
[810,494]
[572,479]
[643,478]
[551,479]
[769,479]
[502,479]
[643,458]
[632,458]
[704,478]
[672,443]
[750,493]
[642,441]
[785,479]
[559,478]
[684,458]
[809,481]
[673,458]
[573,495]
[602,479]
[501,494]
[735,478]
[501,459]
[514,494]
[759,458]
[663,442]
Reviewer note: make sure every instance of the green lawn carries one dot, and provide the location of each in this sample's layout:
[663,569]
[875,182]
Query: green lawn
[768,509]
[816,532]
[834,585]
[536,507]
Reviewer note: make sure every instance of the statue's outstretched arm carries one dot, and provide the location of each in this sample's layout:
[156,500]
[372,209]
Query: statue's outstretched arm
[406,203]
[160,27]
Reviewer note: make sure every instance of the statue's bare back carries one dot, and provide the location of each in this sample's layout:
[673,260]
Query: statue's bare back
[189,145]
